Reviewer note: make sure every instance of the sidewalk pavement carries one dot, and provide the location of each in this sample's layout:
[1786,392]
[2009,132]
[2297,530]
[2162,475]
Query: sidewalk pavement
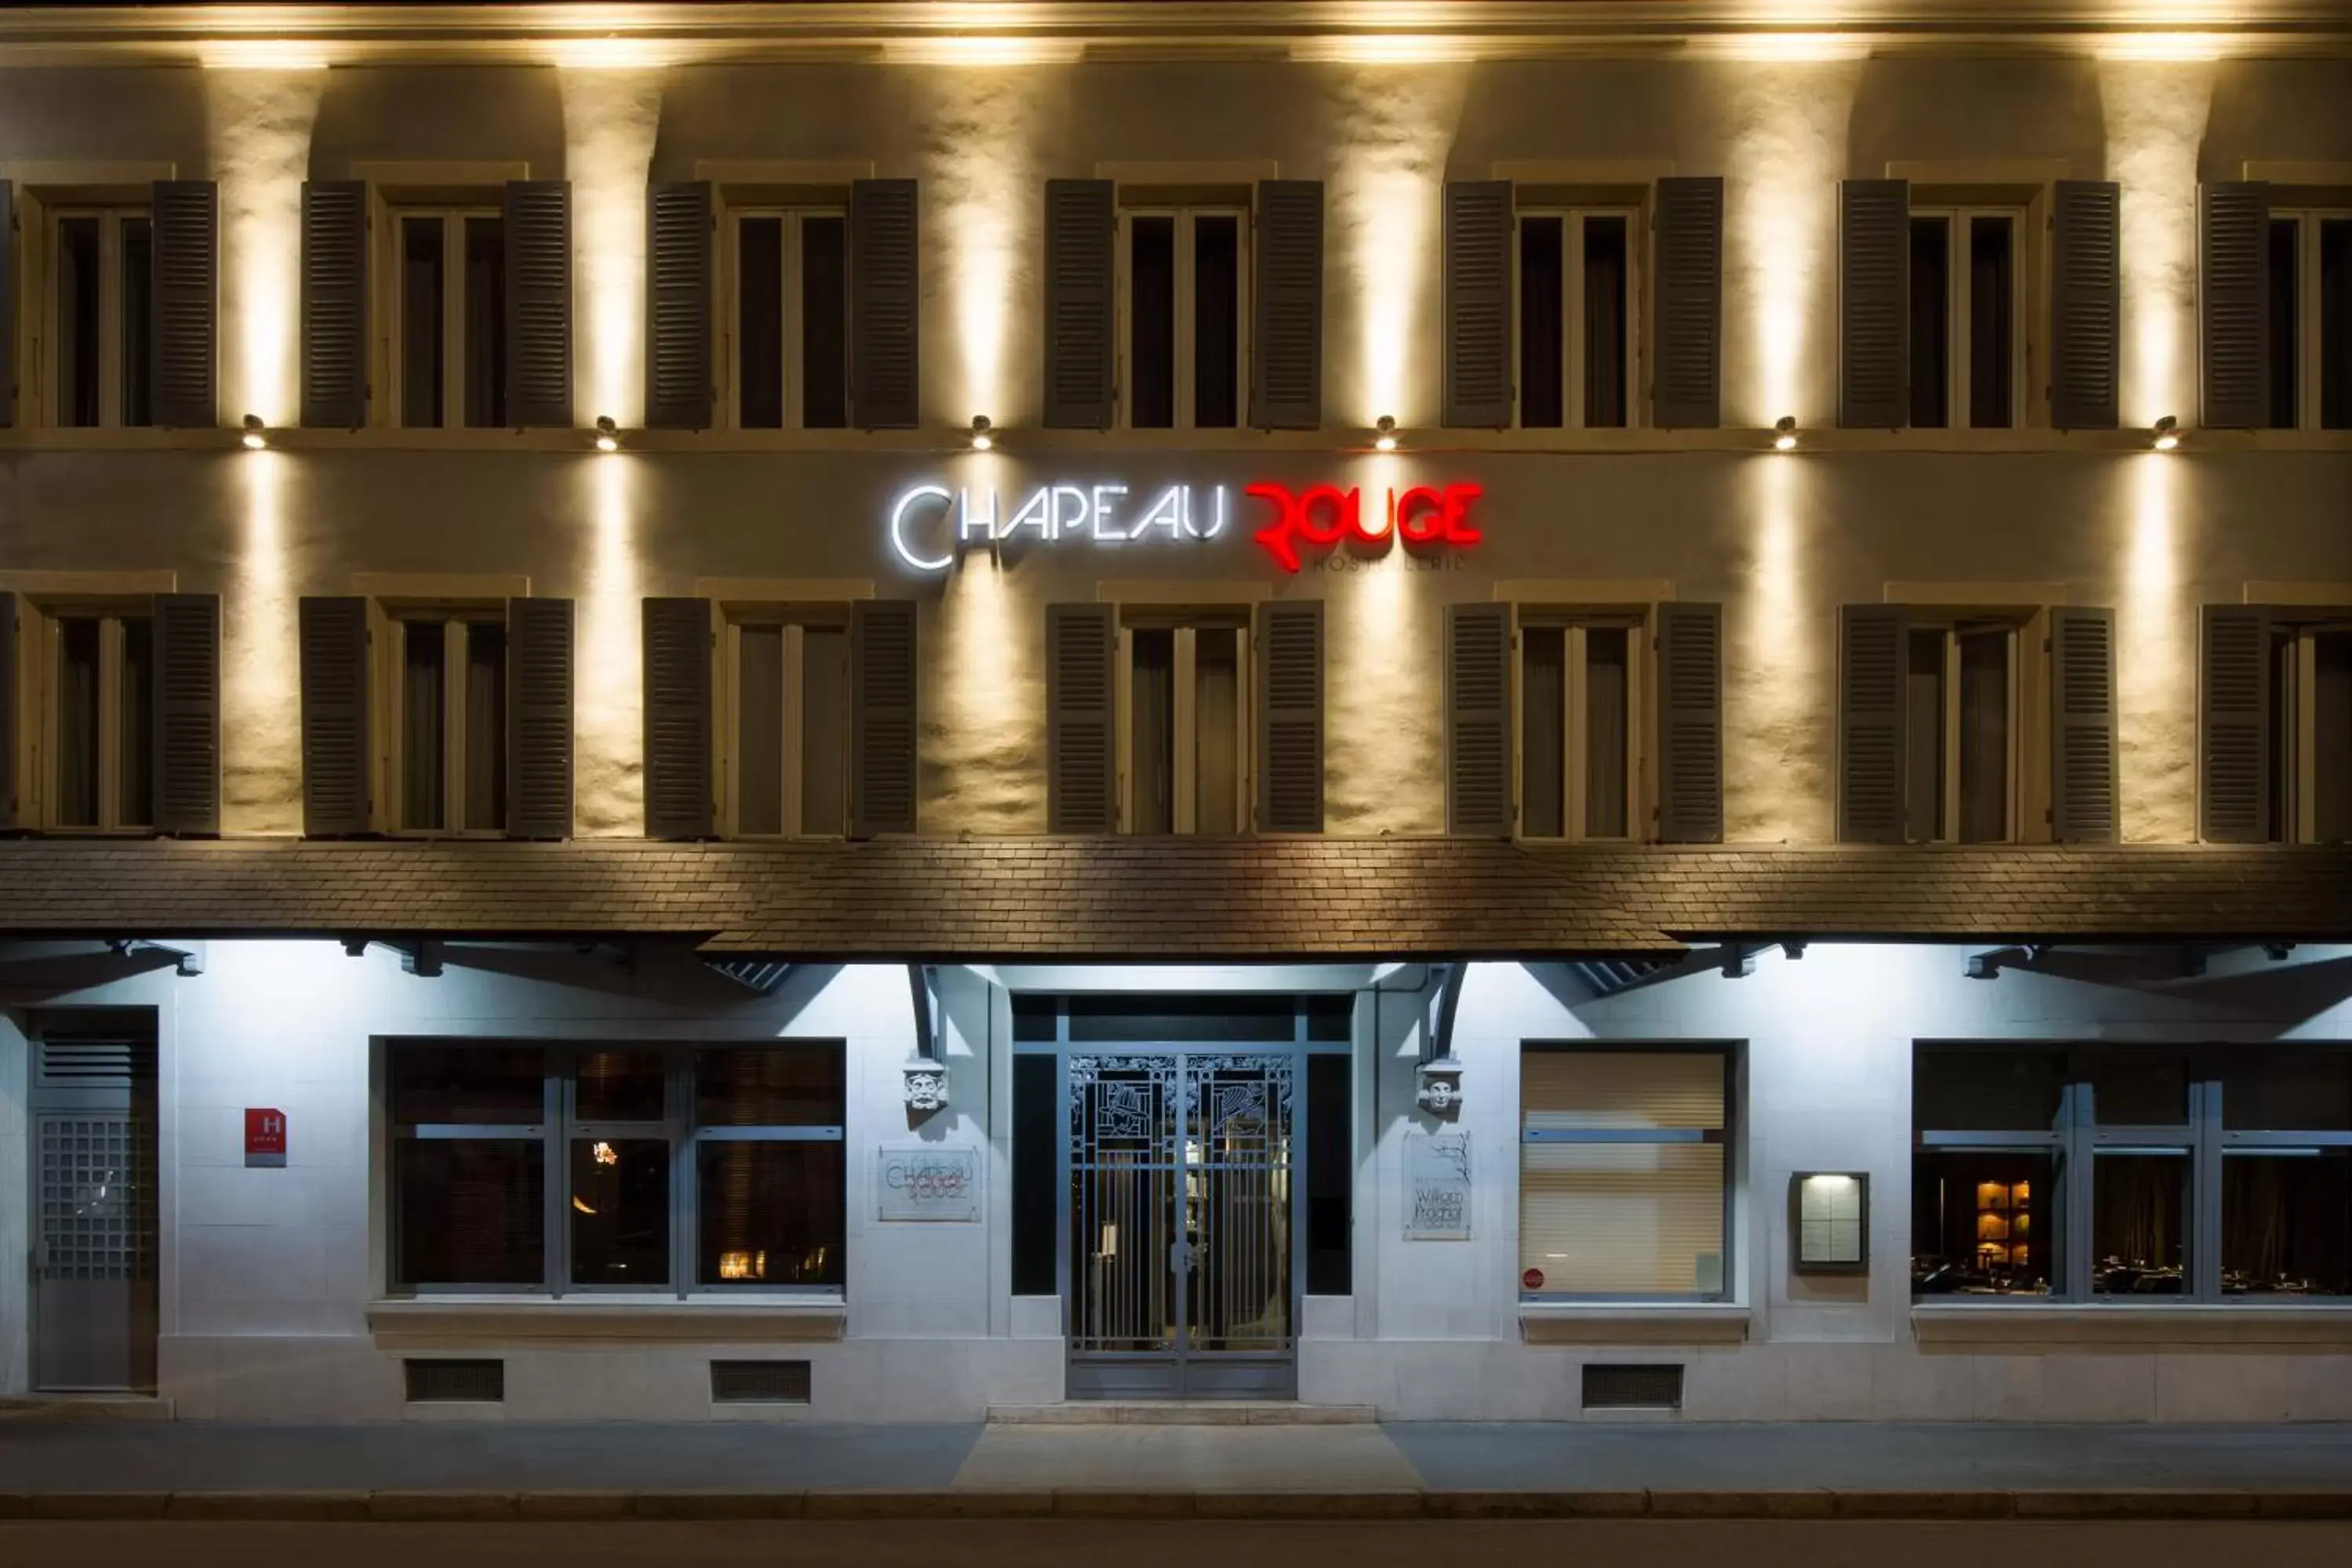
[796,1468]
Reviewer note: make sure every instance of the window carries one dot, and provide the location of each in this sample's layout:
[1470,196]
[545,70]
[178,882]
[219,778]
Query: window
[2076,1171]
[1577,317]
[585,1168]
[787,756]
[2309,259]
[99,727]
[448,735]
[1624,1173]
[1579,727]
[2311,731]
[448,359]
[1187,734]
[1960,690]
[1967,351]
[1181,304]
[788,365]
[103,281]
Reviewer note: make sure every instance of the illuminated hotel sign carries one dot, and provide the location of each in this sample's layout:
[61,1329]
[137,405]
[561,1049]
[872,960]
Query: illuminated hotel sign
[930,524]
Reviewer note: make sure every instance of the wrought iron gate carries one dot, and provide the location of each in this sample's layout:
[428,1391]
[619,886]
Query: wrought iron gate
[1181,1265]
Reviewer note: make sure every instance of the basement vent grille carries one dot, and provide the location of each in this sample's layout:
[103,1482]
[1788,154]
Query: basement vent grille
[92,1064]
[759,1383]
[1650,1387]
[455,1382]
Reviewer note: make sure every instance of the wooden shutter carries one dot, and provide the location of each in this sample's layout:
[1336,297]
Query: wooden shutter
[1872,743]
[2233,725]
[1287,349]
[1875,304]
[1690,722]
[187,633]
[2233,299]
[883,723]
[1478,720]
[186,304]
[1289,655]
[679,797]
[10,775]
[8,314]
[886,305]
[2084,808]
[334,303]
[2085,304]
[1686,387]
[1081,236]
[1081,686]
[677,307]
[333,640]
[539,717]
[1477,369]
[539,303]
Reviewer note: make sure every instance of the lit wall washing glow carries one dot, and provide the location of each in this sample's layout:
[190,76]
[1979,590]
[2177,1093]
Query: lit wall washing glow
[980,190]
[260,122]
[2155,114]
[608,700]
[611,118]
[261,708]
[1396,127]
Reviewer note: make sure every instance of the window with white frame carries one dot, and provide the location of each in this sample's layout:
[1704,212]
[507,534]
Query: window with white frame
[1968,348]
[99,717]
[1625,1171]
[561,1168]
[2311,728]
[1183,297]
[1186,735]
[1577,314]
[1580,695]
[788,343]
[1960,731]
[786,728]
[447,311]
[2309,258]
[448,740]
[102,270]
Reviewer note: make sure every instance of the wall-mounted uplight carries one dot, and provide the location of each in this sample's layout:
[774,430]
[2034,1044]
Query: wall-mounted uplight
[608,434]
[256,436]
[984,434]
[1384,435]
[1784,433]
[2167,434]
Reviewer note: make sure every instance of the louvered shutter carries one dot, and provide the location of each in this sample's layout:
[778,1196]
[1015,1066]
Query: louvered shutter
[886,305]
[2084,808]
[1081,785]
[334,303]
[1477,369]
[1290,652]
[2233,725]
[678,719]
[539,303]
[186,303]
[2233,297]
[334,652]
[1081,232]
[1872,743]
[539,717]
[2085,304]
[1874,303]
[1690,722]
[883,723]
[8,309]
[1286,351]
[1478,720]
[10,781]
[677,305]
[1685,388]
[187,632]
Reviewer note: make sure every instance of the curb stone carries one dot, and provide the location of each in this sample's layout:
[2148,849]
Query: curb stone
[718,1505]
[893,1504]
[457,1506]
[1795,1503]
[302,1507]
[1534,1505]
[1308,1505]
[1083,1502]
[2123,1504]
[96,1505]
[1926,1505]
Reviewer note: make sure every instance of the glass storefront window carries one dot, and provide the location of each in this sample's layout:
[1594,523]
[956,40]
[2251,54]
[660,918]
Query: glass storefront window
[1984,1221]
[2139,1208]
[2286,1223]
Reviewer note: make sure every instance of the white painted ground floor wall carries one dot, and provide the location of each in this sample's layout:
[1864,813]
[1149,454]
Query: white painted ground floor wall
[272,1280]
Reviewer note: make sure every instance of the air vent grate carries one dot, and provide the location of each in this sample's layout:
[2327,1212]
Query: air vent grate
[1647,1387]
[455,1382]
[759,1383]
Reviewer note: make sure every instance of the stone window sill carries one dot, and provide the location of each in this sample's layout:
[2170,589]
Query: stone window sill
[429,1321]
[2132,1326]
[1655,1324]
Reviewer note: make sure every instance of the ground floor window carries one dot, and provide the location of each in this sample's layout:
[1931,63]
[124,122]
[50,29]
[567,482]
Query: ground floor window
[648,1168]
[1624,1171]
[2106,1171]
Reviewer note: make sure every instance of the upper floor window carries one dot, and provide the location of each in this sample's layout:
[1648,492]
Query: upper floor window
[448,742]
[2308,256]
[1187,730]
[2311,729]
[1576,307]
[1961,730]
[787,769]
[2274,724]
[1181,305]
[1966,353]
[101,267]
[1580,695]
[788,360]
[99,723]
[448,314]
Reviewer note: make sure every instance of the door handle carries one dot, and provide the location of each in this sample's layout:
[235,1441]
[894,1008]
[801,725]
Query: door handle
[1180,1257]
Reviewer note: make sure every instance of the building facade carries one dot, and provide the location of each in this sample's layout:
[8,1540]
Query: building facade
[863,713]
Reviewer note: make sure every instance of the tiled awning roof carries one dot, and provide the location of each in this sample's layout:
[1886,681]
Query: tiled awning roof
[1169,897]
